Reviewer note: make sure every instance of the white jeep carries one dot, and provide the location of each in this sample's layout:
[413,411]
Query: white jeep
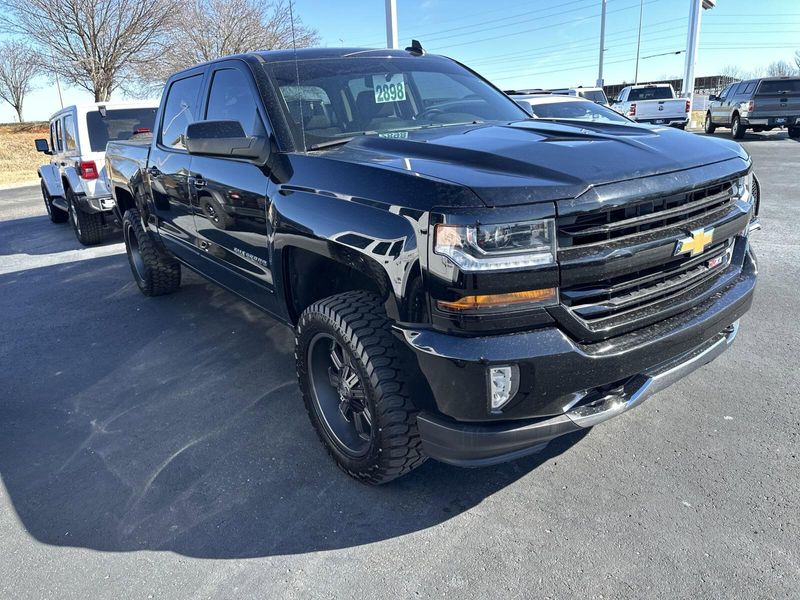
[73,184]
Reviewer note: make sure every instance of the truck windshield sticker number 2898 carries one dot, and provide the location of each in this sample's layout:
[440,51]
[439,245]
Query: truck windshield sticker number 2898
[392,89]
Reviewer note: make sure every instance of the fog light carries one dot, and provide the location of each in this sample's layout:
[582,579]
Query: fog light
[503,385]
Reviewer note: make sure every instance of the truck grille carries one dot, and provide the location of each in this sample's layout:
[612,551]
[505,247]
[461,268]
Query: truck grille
[618,267]
[671,211]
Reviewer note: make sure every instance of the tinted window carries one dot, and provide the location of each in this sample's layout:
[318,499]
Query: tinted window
[594,96]
[650,93]
[70,140]
[180,109]
[59,143]
[230,99]
[584,110]
[726,91]
[336,99]
[750,87]
[740,88]
[119,124]
[780,86]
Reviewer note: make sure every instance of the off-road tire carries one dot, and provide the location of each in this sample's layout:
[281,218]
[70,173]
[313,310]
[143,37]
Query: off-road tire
[56,214]
[794,132]
[737,129]
[88,227]
[154,273]
[357,321]
[709,127]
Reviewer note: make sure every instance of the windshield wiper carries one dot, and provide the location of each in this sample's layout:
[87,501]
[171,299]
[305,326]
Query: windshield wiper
[331,143]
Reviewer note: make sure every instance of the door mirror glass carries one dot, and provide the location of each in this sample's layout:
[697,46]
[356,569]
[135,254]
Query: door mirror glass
[225,139]
[42,146]
[713,97]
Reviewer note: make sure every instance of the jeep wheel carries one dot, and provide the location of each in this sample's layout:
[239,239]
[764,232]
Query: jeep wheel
[88,227]
[155,274]
[709,126]
[56,214]
[794,132]
[737,129]
[354,390]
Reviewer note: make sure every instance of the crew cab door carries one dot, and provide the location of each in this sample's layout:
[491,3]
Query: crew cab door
[169,165]
[230,194]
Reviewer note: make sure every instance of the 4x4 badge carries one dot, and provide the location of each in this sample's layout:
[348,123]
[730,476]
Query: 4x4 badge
[698,240]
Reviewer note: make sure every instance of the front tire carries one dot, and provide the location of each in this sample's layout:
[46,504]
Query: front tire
[56,214]
[88,227]
[354,388]
[709,127]
[737,129]
[155,274]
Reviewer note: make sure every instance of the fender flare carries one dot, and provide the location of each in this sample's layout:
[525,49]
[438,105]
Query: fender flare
[52,181]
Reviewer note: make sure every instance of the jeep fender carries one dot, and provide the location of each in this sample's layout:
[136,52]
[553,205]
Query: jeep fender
[52,180]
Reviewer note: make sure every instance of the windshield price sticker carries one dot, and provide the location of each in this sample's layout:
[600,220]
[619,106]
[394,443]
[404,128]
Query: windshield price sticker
[391,89]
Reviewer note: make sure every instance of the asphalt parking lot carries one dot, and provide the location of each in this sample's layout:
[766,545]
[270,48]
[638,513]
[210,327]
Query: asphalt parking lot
[158,448]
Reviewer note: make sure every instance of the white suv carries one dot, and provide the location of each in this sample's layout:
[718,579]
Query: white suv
[73,184]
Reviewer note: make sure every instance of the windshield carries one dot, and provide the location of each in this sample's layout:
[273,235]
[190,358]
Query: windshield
[650,93]
[336,99]
[581,110]
[119,124]
[780,86]
[594,96]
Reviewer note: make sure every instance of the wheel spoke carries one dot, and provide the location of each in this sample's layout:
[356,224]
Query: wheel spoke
[362,424]
[335,358]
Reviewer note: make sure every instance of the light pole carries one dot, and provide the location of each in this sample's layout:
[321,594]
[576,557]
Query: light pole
[391,23]
[638,43]
[692,39]
[602,42]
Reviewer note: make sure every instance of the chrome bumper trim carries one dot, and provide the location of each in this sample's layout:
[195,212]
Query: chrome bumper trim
[650,382]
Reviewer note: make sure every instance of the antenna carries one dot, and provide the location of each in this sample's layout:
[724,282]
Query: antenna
[297,76]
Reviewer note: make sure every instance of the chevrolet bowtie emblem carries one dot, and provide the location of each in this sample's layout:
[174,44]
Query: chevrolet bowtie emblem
[697,241]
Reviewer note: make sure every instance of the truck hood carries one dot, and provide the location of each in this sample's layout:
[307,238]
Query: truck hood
[536,160]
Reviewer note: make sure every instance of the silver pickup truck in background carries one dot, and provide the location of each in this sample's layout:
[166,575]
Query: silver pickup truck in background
[760,104]
[653,103]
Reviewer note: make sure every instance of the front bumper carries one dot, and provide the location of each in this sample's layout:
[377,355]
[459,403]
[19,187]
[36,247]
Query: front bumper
[471,445]
[564,386]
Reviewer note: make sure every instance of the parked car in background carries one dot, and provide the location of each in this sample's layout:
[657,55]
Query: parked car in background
[73,183]
[568,108]
[653,103]
[758,104]
[464,283]
[595,94]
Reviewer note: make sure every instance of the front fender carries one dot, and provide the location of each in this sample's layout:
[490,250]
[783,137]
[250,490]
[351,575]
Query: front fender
[380,241]
[52,180]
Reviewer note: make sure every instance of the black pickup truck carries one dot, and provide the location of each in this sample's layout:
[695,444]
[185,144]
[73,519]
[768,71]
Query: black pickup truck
[465,283]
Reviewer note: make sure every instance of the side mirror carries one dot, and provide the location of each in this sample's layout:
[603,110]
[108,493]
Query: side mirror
[42,146]
[713,97]
[225,139]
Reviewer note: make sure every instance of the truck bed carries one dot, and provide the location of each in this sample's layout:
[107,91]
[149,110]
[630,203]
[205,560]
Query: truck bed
[124,159]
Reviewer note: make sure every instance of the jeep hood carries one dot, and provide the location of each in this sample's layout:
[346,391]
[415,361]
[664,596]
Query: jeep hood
[536,160]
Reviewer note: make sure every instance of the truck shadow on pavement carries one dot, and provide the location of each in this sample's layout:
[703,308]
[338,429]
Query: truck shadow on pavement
[37,235]
[175,423]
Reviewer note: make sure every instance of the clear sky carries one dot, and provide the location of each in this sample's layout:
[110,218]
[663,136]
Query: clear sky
[543,43]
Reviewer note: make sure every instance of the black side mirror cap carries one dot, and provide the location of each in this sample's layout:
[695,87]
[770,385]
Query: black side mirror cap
[225,139]
[42,146]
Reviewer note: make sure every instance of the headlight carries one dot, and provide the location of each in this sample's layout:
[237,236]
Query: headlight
[478,248]
[742,187]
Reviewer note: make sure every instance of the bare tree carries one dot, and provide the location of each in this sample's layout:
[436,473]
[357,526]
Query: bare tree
[93,44]
[797,60]
[209,29]
[18,67]
[733,71]
[779,68]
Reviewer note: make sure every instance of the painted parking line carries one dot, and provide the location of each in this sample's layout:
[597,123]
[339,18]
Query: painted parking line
[13,263]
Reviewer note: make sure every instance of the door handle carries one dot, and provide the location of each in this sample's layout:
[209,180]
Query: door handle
[198,181]
[154,171]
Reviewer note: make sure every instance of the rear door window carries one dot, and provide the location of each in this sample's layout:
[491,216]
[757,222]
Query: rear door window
[231,99]
[180,109]
[749,89]
[117,124]
[70,139]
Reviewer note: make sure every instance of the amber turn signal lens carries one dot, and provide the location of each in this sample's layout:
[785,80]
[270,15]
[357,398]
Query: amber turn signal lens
[544,295]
